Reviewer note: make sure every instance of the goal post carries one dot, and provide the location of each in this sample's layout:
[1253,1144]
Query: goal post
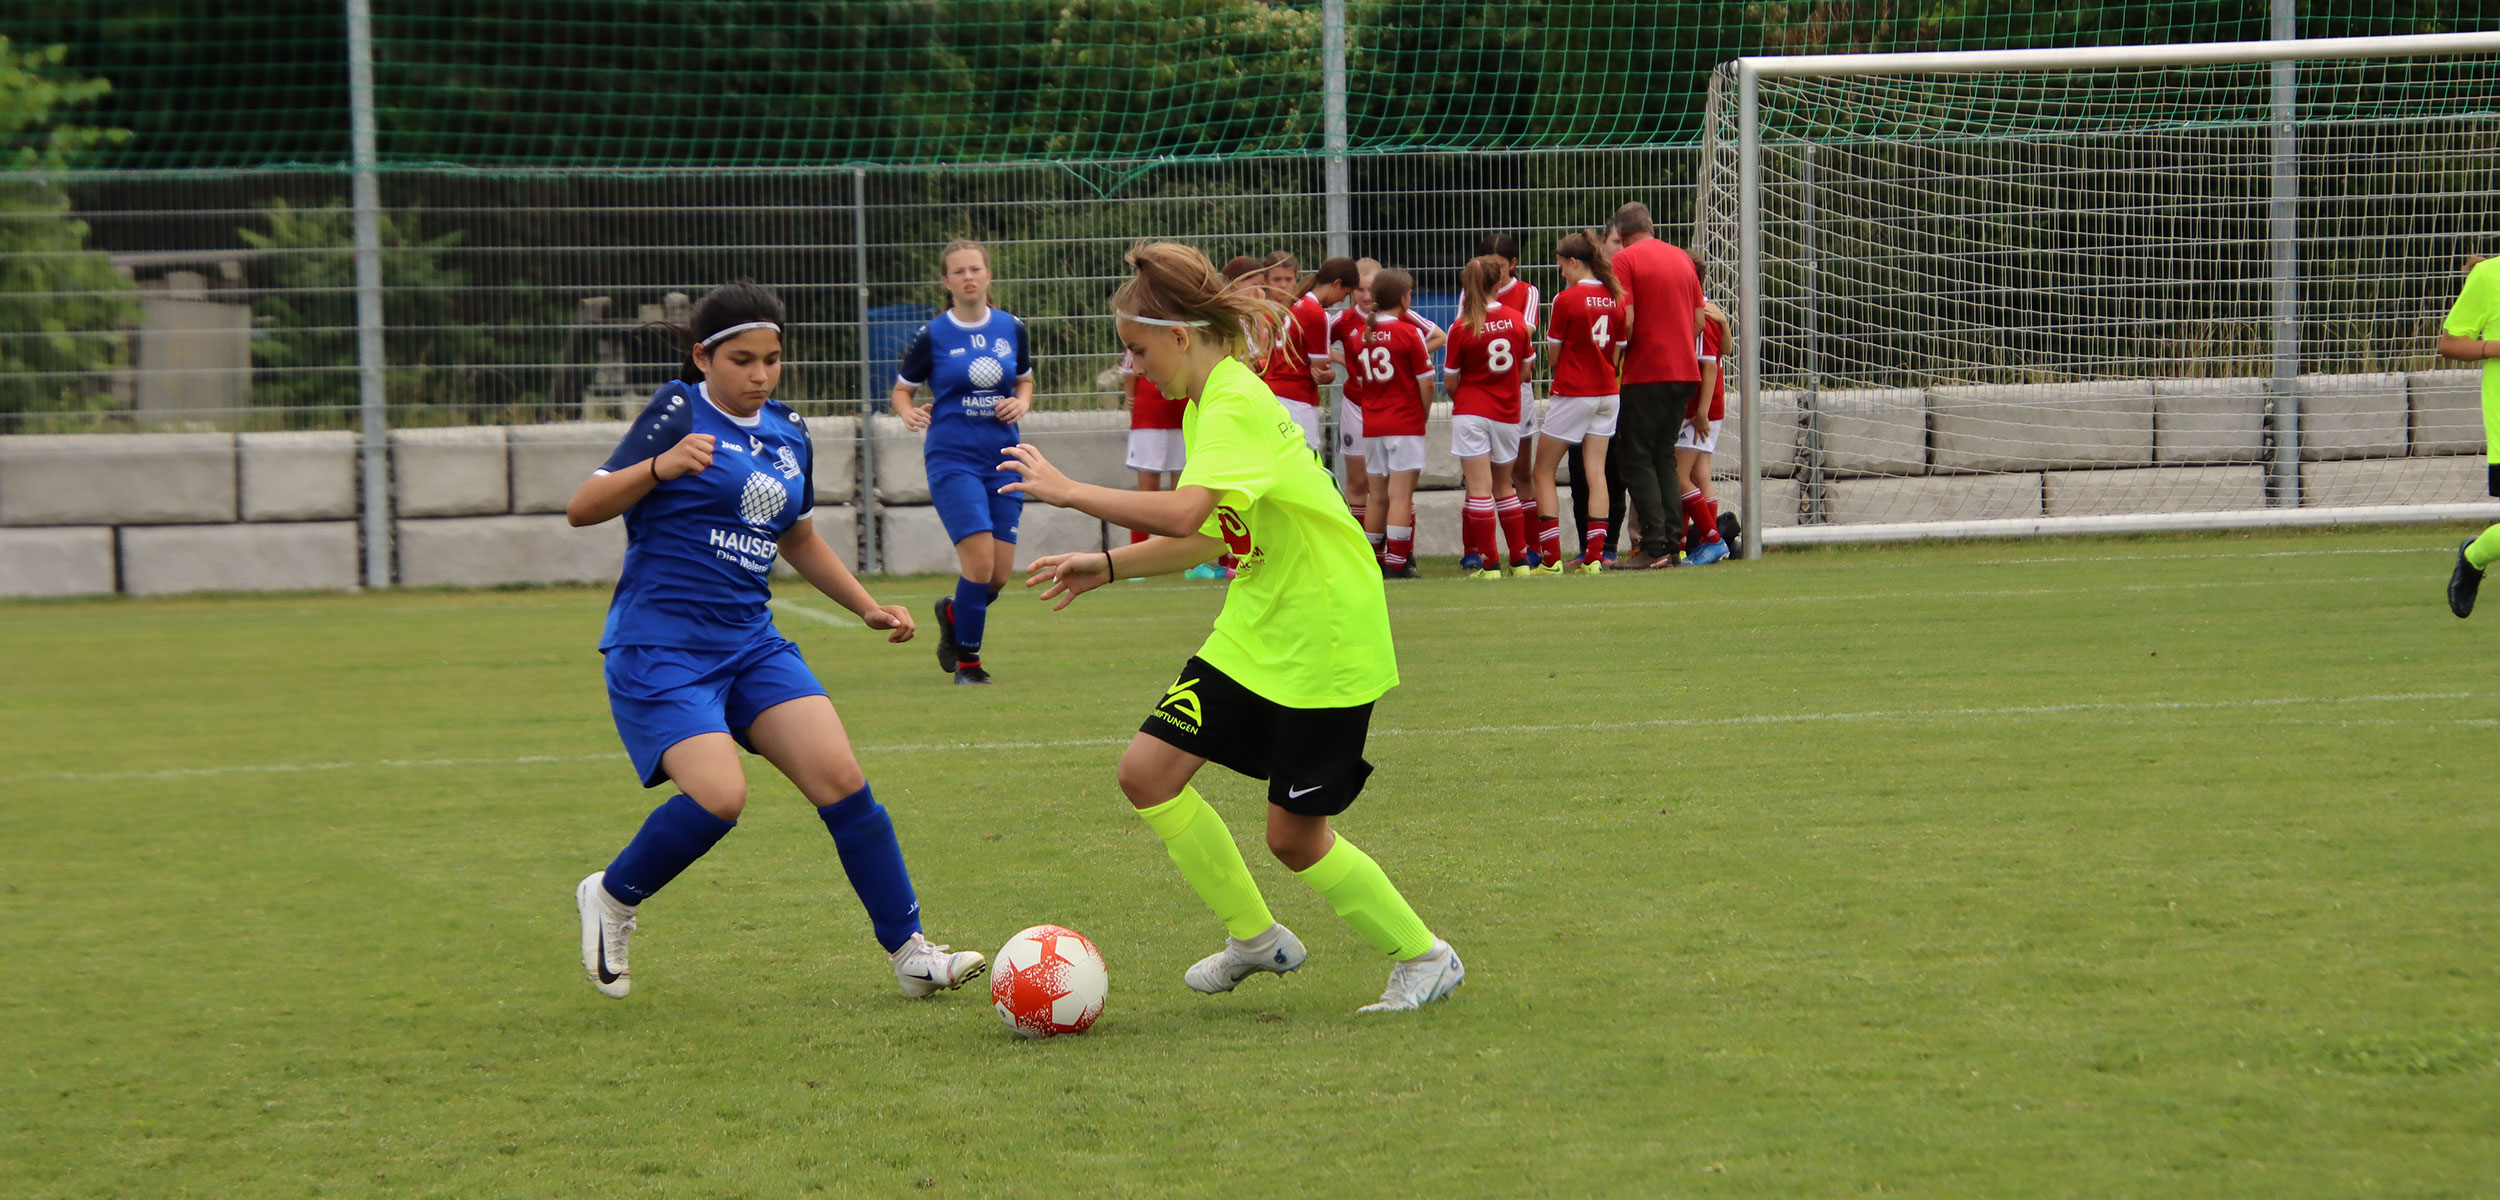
[2102,289]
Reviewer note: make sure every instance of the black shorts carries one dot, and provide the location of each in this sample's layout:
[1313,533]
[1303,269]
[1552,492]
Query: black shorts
[1311,758]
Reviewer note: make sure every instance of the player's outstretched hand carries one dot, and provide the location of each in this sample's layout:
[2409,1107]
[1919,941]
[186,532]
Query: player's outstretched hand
[891,616]
[688,457]
[1011,409]
[1069,575]
[1037,479]
[916,418]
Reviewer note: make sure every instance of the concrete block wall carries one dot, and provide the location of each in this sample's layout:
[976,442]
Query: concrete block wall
[167,513]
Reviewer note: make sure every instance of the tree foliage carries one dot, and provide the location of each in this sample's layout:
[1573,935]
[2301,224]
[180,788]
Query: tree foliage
[62,306]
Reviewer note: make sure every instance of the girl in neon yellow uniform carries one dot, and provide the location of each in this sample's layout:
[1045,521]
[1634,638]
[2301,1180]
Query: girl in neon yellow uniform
[1283,688]
[2468,336]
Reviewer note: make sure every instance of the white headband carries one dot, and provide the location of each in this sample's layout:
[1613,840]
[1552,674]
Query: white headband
[1158,321]
[735,330]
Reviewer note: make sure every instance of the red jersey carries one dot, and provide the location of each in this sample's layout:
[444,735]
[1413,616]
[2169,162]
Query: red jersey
[1387,368]
[1587,324]
[1304,341]
[1663,291]
[1148,407]
[1489,365]
[1706,345]
[1520,296]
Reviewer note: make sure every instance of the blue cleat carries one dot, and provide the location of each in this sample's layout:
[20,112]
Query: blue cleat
[1709,553]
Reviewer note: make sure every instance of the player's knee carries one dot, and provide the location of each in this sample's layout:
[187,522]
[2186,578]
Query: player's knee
[1141,786]
[726,799]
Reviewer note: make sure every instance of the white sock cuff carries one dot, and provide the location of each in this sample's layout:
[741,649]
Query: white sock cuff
[1399,533]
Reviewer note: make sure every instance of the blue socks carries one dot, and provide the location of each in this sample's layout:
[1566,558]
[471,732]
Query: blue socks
[864,835]
[671,838]
[972,612]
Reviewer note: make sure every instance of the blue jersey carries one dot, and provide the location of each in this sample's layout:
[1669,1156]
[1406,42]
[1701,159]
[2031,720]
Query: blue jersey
[968,369]
[699,548]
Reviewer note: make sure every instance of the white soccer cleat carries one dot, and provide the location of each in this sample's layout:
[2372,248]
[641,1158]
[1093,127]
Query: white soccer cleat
[1276,951]
[1421,980]
[924,969]
[606,925]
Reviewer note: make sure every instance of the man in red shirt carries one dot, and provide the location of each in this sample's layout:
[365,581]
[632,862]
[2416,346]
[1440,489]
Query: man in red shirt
[1661,377]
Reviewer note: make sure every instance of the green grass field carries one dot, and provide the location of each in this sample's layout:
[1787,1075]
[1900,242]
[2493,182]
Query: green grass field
[2129,867]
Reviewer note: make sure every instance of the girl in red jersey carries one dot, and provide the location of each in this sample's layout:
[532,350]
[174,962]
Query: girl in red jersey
[1288,370]
[1489,347]
[1389,369]
[1520,296]
[1155,448]
[1586,327]
[1694,447]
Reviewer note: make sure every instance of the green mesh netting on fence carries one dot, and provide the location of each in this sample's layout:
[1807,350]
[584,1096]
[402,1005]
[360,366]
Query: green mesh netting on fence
[570,83]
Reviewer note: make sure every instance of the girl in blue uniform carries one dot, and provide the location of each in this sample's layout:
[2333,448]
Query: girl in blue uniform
[978,366]
[714,481]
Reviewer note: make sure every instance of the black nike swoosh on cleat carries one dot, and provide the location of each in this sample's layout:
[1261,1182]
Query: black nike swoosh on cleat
[605,975]
[922,973]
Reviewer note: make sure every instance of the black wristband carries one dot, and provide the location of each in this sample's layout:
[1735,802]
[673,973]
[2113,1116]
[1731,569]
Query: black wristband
[1108,569]
[655,468]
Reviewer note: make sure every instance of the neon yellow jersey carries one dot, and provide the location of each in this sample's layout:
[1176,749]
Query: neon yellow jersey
[1304,623]
[2477,315]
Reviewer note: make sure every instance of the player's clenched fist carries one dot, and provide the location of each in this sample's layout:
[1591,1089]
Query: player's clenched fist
[890,616]
[688,457]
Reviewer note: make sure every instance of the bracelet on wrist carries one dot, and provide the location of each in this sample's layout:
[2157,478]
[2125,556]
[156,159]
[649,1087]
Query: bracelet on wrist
[1108,569]
[655,468]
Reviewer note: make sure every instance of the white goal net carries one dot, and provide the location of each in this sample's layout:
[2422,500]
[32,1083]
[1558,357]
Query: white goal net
[2043,291]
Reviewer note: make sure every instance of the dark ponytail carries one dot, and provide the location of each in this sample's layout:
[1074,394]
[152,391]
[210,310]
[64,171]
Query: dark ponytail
[724,306]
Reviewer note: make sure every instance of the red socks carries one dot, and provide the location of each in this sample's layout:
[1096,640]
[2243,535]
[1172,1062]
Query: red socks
[1702,512]
[1597,540]
[1514,518]
[1400,548]
[1475,528]
[1548,538]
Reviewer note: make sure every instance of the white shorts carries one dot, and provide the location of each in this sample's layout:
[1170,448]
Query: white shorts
[1576,418]
[1306,416]
[1160,450]
[1684,439]
[1349,428]
[1483,437]
[1527,409]
[1390,455]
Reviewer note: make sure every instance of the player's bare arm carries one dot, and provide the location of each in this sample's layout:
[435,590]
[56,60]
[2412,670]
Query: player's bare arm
[915,417]
[1012,409]
[1074,574]
[605,497]
[2463,349]
[816,562]
[1173,514]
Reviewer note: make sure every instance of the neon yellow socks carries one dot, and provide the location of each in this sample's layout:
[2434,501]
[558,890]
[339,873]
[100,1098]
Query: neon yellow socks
[1364,898]
[1204,851]
[2483,551]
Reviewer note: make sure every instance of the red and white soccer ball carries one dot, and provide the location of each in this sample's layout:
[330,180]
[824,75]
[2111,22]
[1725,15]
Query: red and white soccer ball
[1047,981]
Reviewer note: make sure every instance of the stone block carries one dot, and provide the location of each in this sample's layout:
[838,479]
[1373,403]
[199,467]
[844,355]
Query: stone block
[488,551]
[454,472]
[308,476]
[2134,490]
[1437,519]
[1867,431]
[117,479]
[2028,426]
[1777,427]
[1779,504]
[837,459]
[1047,530]
[74,561]
[2459,478]
[1941,498]
[1089,445]
[912,541]
[549,462]
[2209,420]
[2447,408]
[2352,416]
[902,477]
[1440,466]
[159,560]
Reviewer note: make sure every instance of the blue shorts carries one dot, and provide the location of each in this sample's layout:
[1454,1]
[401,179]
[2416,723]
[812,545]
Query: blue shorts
[969,503]
[661,695]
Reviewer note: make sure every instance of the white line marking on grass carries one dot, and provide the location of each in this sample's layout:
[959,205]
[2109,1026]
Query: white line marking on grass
[1806,718]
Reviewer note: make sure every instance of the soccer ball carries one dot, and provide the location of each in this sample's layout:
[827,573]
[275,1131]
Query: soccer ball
[1047,981]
